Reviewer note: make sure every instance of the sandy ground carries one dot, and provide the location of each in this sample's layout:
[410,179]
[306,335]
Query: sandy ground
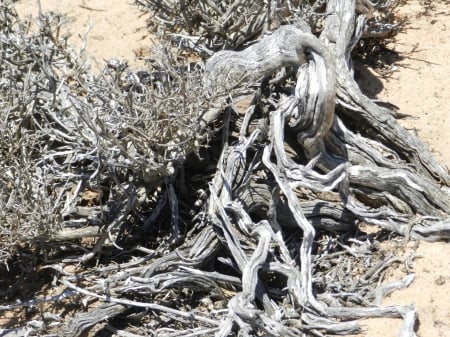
[117,29]
[419,87]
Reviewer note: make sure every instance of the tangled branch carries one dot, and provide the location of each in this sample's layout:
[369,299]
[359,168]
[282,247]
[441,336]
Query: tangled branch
[217,199]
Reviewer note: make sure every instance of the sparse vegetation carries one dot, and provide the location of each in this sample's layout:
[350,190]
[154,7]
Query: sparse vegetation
[220,197]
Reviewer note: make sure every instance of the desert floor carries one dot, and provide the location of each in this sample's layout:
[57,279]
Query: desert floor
[418,86]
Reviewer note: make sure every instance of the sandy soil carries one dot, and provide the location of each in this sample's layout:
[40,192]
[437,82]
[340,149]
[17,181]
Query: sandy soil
[117,28]
[419,87]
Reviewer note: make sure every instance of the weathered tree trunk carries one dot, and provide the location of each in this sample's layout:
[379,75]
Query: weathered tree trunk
[395,170]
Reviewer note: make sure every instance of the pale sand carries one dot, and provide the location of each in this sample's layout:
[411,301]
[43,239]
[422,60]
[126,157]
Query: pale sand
[117,29]
[421,88]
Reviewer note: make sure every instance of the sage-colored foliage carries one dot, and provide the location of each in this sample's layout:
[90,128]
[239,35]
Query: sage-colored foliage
[70,135]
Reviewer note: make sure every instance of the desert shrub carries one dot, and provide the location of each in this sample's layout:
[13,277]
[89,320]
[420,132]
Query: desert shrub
[221,195]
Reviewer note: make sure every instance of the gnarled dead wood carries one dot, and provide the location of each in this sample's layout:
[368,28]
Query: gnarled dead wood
[260,235]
